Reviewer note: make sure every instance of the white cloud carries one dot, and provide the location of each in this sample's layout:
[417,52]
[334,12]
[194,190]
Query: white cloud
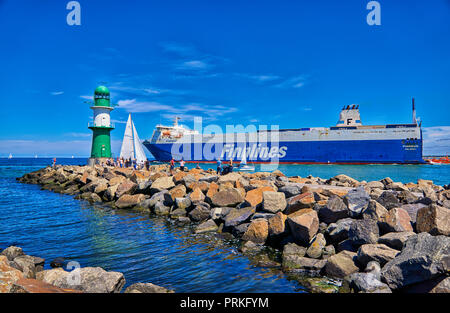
[134,106]
[56,93]
[259,78]
[436,140]
[294,82]
[193,65]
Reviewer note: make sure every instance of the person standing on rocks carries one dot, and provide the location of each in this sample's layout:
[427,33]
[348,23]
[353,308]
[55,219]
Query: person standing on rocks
[172,165]
[219,166]
[54,162]
[182,165]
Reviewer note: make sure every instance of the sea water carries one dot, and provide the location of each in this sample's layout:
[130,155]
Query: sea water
[151,249]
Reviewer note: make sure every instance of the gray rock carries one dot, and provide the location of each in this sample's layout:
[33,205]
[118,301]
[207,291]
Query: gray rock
[375,252]
[91,280]
[183,203]
[395,240]
[219,213]
[161,209]
[389,200]
[423,257]
[357,200]
[298,264]
[240,229]
[339,231]
[273,202]
[291,190]
[375,268]
[374,211]
[333,211]
[346,245]
[363,232]
[147,288]
[205,227]
[177,213]
[412,210]
[263,215]
[12,252]
[199,213]
[238,216]
[367,282]
[26,265]
[316,247]
[162,197]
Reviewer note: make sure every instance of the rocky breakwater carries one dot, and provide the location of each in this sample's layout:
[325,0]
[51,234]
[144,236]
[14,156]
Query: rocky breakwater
[21,273]
[333,235]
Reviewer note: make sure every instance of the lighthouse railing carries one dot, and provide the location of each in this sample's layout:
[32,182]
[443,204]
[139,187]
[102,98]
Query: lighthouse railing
[93,124]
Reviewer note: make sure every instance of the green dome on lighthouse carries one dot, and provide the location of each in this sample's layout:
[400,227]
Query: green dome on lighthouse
[101,96]
[101,90]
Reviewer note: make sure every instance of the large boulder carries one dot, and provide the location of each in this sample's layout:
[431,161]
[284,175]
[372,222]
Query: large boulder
[277,225]
[183,203]
[395,240]
[434,219]
[273,201]
[255,196]
[126,187]
[357,200]
[367,283]
[229,178]
[316,247]
[363,232]
[374,211]
[129,201]
[179,191]
[196,195]
[8,275]
[396,220]
[341,264]
[423,257]
[339,231]
[147,288]
[376,252]
[412,210]
[162,197]
[207,226]
[304,225]
[389,200]
[27,285]
[304,200]
[162,183]
[227,197]
[91,280]
[200,213]
[257,231]
[333,211]
[294,260]
[238,216]
[291,190]
[12,252]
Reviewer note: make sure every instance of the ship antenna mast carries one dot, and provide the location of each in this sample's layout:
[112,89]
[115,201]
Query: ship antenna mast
[414,112]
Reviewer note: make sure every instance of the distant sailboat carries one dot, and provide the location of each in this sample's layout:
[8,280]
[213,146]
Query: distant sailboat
[10,156]
[35,156]
[131,145]
[72,156]
[243,165]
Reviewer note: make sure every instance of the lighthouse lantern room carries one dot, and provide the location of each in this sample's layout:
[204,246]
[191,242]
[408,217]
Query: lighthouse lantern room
[101,125]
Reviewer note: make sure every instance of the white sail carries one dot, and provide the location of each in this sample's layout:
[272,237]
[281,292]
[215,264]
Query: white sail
[244,156]
[131,145]
[127,150]
[139,150]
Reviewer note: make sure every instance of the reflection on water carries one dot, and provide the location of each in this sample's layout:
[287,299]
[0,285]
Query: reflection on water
[144,249]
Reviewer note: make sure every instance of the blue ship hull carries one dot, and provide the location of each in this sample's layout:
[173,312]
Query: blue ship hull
[304,152]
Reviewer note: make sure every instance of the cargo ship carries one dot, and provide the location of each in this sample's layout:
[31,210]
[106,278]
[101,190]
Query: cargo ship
[348,142]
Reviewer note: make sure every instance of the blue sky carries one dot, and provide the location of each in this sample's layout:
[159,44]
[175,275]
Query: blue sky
[290,63]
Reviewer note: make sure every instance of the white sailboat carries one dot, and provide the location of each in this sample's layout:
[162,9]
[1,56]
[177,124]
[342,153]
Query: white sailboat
[10,156]
[243,165]
[131,144]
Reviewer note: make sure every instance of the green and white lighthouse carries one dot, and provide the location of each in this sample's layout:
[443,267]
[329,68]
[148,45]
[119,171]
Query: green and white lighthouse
[101,126]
